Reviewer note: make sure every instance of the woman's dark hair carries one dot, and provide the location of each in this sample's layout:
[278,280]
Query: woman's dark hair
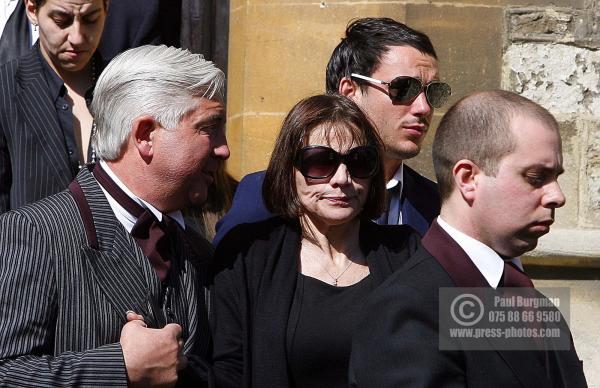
[329,112]
[367,40]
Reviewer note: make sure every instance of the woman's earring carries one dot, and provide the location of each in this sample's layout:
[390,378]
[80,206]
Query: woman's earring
[35,26]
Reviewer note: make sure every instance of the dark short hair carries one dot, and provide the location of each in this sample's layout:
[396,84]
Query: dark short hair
[39,3]
[330,111]
[367,40]
[478,128]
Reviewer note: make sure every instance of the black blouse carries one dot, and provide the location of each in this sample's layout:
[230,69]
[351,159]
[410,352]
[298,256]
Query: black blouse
[324,317]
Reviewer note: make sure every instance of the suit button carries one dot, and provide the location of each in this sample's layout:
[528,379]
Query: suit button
[64,106]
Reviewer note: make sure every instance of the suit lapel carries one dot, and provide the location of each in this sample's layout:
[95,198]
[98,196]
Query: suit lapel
[419,208]
[38,112]
[452,258]
[119,266]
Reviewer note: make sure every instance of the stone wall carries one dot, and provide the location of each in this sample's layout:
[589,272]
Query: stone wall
[547,50]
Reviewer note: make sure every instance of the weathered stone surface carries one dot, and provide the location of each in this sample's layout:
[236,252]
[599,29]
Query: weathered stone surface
[563,79]
[591,215]
[566,25]
[584,322]
[517,3]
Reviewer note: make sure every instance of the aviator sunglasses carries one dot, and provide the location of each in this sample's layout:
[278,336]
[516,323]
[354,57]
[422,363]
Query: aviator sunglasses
[405,89]
[320,162]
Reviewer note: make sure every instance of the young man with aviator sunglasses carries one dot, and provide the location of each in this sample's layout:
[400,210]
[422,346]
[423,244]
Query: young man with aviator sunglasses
[391,72]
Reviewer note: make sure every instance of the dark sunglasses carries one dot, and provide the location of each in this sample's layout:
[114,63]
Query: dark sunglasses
[319,162]
[405,89]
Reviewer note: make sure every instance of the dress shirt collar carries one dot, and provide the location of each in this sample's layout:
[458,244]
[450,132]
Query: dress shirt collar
[395,208]
[56,86]
[488,262]
[397,178]
[126,218]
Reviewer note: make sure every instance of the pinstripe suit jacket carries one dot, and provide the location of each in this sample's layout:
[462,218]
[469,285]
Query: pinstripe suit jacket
[34,162]
[63,303]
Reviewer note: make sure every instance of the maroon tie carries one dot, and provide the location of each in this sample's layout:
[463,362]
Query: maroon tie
[154,237]
[514,277]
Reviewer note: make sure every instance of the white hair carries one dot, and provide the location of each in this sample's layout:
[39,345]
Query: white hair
[159,81]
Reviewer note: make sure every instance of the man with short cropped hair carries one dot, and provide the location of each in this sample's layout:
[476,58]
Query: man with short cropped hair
[103,284]
[497,158]
[391,71]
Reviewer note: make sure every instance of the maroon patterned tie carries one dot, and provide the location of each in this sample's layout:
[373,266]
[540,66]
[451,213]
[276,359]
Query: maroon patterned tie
[157,239]
[514,277]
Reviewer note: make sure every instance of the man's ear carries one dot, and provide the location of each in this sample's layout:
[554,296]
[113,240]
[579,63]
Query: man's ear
[142,135]
[30,9]
[466,175]
[348,88]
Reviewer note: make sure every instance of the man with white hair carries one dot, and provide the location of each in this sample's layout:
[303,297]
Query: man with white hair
[103,284]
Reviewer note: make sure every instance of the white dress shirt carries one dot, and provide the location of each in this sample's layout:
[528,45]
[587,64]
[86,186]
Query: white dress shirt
[487,261]
[126,218]
[397,179]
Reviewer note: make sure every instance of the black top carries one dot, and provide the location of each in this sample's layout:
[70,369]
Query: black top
[256,274]
[325,319]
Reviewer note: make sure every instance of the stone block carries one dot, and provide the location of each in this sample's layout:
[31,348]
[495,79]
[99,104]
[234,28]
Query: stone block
[568,215]
[257,139]
[288,48]
[236,74]
[518,3]
[591,186]
[564,79]
[468,41]
[565,25]
[235,138]
[584,322]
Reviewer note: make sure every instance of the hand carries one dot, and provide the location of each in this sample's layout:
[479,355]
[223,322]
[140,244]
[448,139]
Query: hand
[152,356]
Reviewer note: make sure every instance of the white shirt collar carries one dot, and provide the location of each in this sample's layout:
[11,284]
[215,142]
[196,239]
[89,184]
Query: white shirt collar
[397,178]
[487,261]
[126,218]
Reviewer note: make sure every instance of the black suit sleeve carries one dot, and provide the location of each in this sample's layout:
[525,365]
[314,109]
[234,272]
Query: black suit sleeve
[397,344]
[226,316]
[28,308]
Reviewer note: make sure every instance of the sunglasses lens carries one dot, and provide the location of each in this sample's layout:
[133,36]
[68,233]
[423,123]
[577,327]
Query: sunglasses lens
[437,93]
[362,162]
[318,162]
[404,89]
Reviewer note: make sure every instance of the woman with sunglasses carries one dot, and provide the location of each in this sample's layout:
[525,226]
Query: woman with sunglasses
[45,124]
[290,290]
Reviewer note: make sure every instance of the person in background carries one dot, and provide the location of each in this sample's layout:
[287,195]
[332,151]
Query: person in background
[45,123]
[75,267]
[497,158]
[391,71]
[289,291]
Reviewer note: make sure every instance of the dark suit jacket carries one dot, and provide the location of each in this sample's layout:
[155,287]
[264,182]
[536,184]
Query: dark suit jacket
[420,203]
[254,292]
[399,347]
[34,161]
[133,23]
[63,302]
